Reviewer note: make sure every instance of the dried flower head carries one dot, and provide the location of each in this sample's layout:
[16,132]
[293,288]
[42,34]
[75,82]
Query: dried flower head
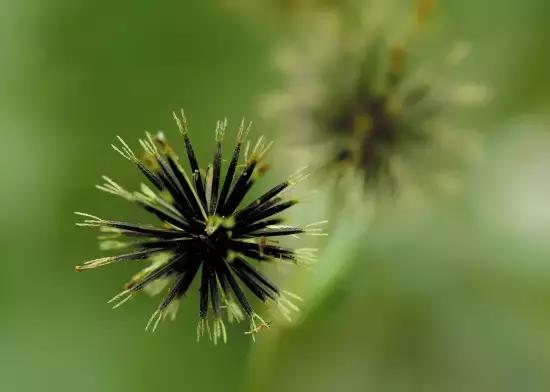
[352,88]
[206,232]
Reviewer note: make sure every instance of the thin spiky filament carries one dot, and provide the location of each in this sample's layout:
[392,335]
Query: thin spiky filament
[206,234]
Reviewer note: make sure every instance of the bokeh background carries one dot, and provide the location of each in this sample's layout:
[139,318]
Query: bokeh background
[451,296]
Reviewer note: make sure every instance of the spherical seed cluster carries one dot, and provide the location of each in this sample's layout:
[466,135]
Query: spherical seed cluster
[206,234]
[353,90]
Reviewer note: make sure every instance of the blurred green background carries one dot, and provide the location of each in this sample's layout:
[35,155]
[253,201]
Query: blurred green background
[454,296]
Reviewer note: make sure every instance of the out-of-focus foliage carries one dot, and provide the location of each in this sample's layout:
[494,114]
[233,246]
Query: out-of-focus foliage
[448,297]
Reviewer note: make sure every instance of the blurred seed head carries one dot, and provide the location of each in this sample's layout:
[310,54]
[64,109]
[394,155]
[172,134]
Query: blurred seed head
[358,96]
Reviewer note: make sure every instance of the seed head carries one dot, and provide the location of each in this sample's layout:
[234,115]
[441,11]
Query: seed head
[206,232]
[358,89]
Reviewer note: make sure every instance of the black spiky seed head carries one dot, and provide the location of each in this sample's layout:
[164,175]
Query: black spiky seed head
[205,232]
